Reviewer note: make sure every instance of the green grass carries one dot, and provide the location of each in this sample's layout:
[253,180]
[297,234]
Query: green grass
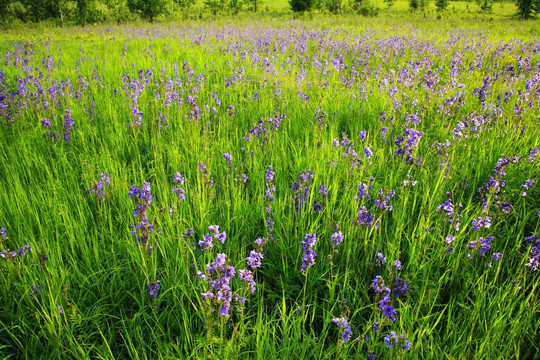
[456,308]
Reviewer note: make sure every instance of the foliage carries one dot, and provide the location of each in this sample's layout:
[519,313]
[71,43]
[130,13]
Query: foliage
[380,179]
[185,3]
[300,5]
[235,6]
[364,7]
[528,8]
[418,4]
[334,6]
[485,5]
[441,4]
[389,3]
[148,9]
[253,4]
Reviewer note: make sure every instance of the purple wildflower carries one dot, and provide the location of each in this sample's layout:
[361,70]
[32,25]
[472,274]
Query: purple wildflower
[344,327]
[153,286]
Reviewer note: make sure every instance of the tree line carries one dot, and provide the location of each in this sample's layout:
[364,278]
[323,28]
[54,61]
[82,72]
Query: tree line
[92,11]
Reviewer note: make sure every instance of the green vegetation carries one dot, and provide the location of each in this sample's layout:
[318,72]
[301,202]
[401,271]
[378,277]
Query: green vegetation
[383,170]
[81,12]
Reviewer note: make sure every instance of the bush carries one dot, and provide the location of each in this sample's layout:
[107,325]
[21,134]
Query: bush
[441,4]
[364,8]
[528,8]
[148,9]
[300,5]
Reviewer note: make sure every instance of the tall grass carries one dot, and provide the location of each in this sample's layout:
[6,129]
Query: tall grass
[312,86]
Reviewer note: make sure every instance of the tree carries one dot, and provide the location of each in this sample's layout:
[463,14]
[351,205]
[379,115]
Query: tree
[185,3]
[47,9]
[254,3]
[528,8]
[441,4]
[235,6]
[148,9]
[300,5]
[4,5]
[418,4]
[334,6]
[364,7]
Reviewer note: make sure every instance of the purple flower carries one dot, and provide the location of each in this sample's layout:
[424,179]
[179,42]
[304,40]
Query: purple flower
[227,157]
[390,339]
[206,242]
[308,260]
[496,256]
[362,135]
[221,284]
[379,286]
[35,290]
[400,287]
[367,152]
[202,166]
[247,276]
[254,259]
[344,327]
[68,125]
[323,190]
[153,286]
[337,238]
[309,241]
[45,123]
[533,153]
[178,178]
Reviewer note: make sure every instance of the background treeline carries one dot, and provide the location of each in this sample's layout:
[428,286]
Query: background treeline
[95,11]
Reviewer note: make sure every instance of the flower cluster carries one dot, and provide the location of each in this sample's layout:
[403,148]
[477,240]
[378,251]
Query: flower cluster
[480,223]
[309,254]
[344,328]
[14,254]
[400,288]
[180,192]
[481,246]
[99,186]
[7,254]
[385,304]
[206,243]
[218,276]
[247,276]
[301,189]
[255,256]
[384,200]
[68,125]
[534,253]
[406,143]
[208,181]
[269,199]
[263,128]
[526,186]
[337,238]
[153,286]
[392,339]
[142,197]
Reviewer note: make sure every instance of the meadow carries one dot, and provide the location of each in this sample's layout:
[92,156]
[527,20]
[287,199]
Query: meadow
[271,188]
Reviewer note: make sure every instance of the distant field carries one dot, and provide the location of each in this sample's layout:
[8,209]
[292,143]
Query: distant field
[263,187]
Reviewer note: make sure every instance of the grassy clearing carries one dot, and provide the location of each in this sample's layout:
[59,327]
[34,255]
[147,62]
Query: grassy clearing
[446,109]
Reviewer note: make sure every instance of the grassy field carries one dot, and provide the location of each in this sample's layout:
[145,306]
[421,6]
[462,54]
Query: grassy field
[270,188]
